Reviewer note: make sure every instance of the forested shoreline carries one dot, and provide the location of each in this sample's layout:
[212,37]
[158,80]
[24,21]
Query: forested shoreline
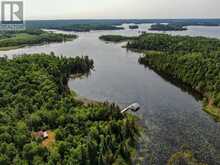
[14,40]
[194,61]
[34,97]
[193,70]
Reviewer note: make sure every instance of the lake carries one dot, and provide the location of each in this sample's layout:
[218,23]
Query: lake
[172,117]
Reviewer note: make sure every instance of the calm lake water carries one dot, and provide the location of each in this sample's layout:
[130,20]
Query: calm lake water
[173,118]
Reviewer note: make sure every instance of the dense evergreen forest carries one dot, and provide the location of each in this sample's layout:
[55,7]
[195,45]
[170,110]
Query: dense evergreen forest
[193,60]
[34,97]
[174,44]
[12,40]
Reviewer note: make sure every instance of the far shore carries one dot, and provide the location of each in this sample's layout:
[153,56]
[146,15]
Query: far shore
[11,47]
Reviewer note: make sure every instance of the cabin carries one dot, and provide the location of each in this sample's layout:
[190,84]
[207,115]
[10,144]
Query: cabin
[40,134]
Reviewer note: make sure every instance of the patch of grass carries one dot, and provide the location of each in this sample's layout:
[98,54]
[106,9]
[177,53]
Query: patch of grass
[31,37]
[48,143]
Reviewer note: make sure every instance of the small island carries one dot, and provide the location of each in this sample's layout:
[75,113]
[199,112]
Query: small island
[115,38]
[167,27]
[19,39]
[133,27]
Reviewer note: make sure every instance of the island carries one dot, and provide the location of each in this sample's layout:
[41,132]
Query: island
[18,39]
[88,27]
[167,27]
[115,38]
[133,27]
[42,122]
[193,61]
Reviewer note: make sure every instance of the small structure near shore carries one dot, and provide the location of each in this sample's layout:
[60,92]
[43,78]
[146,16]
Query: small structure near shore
[133,107]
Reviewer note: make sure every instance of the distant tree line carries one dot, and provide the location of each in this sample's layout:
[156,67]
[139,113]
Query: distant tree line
[167,27]
[88,27]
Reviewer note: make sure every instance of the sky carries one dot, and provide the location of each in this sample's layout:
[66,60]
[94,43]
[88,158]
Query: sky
[121,9]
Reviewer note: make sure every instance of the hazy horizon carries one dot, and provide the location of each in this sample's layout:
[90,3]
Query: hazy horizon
[123,9]
[53,19]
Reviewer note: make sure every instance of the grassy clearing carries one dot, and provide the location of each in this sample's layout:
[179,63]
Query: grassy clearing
[48,143]
[21,39]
